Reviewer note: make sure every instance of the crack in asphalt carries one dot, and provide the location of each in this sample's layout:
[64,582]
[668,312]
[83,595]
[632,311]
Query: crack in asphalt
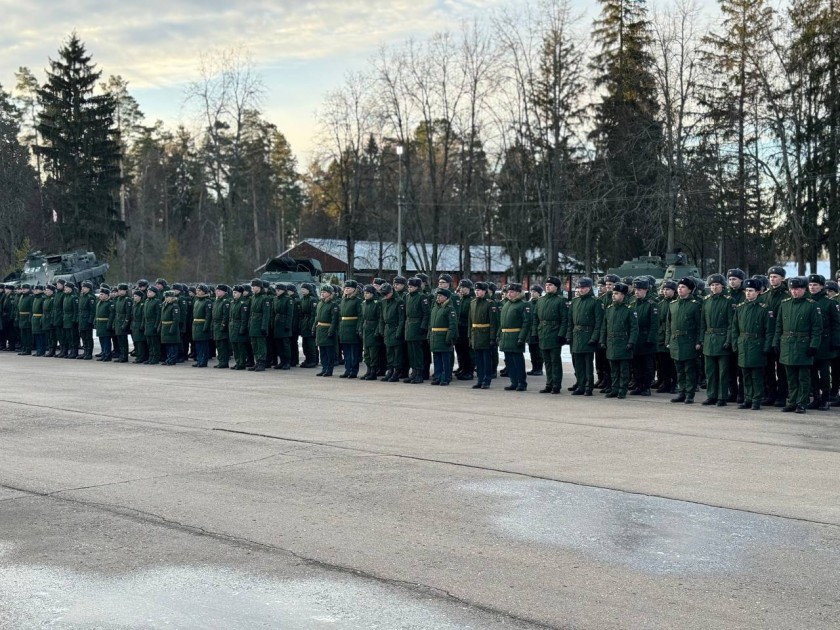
[146,517]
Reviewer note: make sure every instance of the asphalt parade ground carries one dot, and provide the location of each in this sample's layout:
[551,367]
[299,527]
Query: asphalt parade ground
[169,497]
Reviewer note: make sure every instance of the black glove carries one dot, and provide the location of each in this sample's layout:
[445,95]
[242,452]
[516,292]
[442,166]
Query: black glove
[776,350]
[727,346]
[562,341]
[264,332]
[331,335]
[592,342]
[520,343]
[603,346]
[811,352]
[629,346]
[424,332]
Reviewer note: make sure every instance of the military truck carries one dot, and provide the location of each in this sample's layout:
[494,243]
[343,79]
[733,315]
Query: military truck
[295,270]
[673,266]
[40,268]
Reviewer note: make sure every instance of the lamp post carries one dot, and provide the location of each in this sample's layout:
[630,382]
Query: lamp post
[399,212]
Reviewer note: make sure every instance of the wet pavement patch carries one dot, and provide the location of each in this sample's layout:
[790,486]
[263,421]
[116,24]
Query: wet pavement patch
[650,535]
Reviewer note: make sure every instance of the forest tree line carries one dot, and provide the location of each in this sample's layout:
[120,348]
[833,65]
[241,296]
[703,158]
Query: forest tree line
[650,129]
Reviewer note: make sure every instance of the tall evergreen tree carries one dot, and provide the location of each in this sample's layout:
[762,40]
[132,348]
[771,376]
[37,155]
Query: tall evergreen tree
[80,150]
[627,132]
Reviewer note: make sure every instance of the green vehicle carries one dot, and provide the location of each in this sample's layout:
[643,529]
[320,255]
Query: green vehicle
[294,270]
[76,267]
[673,266]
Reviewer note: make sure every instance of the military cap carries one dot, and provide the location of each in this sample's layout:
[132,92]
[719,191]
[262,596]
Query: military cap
[191,290]
[505,288]
[153,289]
[736,273]
[699,284]
[491,286]
[399,280]
[161,281]
[717,278]
[764,280]
[831,285]
[369,288]
[142,283]
[669,284]
[58,281]
[621,288]
[538,288]
[291,287]
[602,282]
[38,287]
[122,287]
[817,279]
[753,283]
[415,282]
[25,285]
[104,290]
[9,287]
[423,277]
[444,292]
[311,286]
[351,284]
[280,286]
[223,287]
[70,284]
[628,280]
[89,284]
[480,286]
[203,288]
[651,280]
[106,286]
[584,282]
[515,286]
[798,283]
[779,271]
[445,277]
[611,277]
[378,281]
[170,293]
[467,283]
[688,282]
[237,288]
[386,289]
[256,282]
[327,288]
[554,280]
[138,293]
[641,283]
[51,287]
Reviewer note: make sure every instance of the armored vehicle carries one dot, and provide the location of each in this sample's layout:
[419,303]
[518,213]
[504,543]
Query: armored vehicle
[673,266]
[40,268]
[294,270]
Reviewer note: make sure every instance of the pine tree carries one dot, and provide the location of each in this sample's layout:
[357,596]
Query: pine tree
[80,150]
[627,133]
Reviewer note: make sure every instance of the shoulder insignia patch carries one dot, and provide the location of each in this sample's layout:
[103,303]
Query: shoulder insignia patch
[770,314]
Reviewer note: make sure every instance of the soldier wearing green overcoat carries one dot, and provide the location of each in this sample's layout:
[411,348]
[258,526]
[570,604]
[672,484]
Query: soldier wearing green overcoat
[122,322]
[586,315]
[392,329]
[464,297]
[494,297]
[238,327]
[551,322]
[202,324]
[87,318]
[417,313]
[294,347]
[371,331]
[49,315]
[282,314]
[514,329]
[70,322]
[221,322]
[151,324]
[24,318]
[138,338]
[104,323]
[443,331]
[483,326]
[752,340]
[821,370]
[715,326]
[775,379]
[619,336]
[602,364]
[308,306]
[171,326]
[684,338]
[325,327]
[350,329]
[797,339]
[6,335]
[39,339]
[259,324]
[644,353]
[735,279]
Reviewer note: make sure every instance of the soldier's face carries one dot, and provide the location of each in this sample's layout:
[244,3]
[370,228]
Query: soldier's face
[683,291]
[399,287]
[640,293]
[734,283]
[220,293]
[150,294]
[137,299]
[668,293]
[617,297]
[441,298]
[412,288]
[464,291]
[550,288]
[237,295]
[583,290]
[716,288]
[480,293]
[325,294]
[797,292]
[304,291]
[609,286]
[775,280]
[814,288]
[750,294]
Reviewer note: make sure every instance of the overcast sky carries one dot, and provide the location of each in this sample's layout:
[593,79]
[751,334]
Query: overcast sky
[302,49]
